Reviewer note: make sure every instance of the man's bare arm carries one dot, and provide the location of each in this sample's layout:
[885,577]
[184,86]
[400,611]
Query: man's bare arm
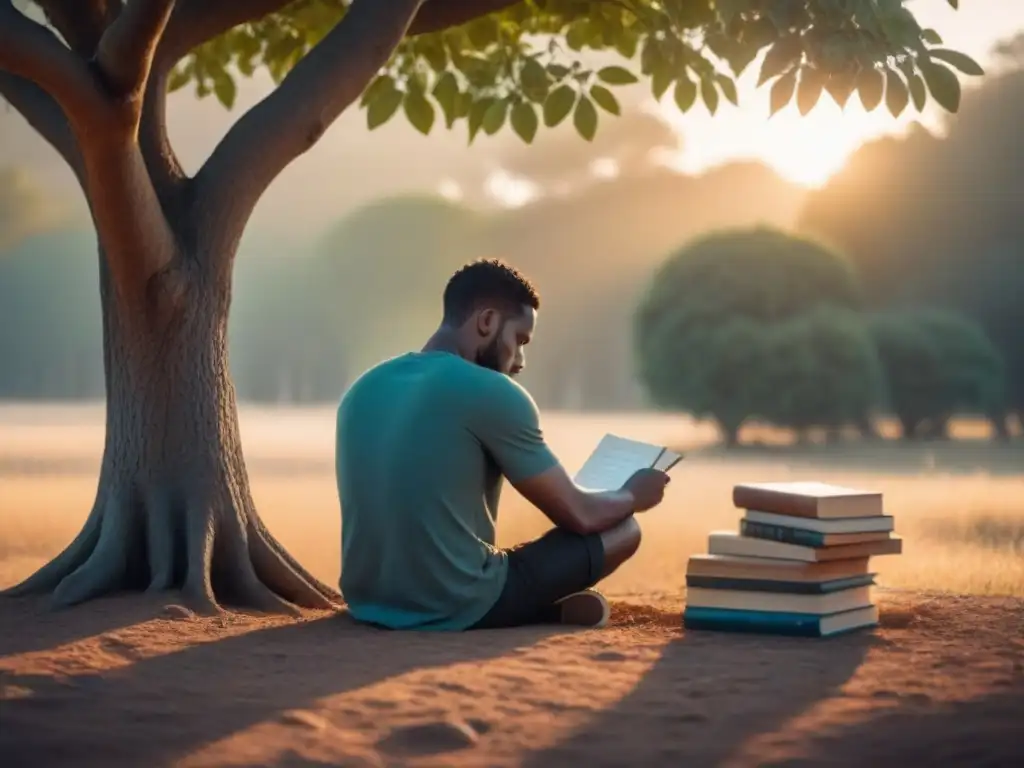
[570,507]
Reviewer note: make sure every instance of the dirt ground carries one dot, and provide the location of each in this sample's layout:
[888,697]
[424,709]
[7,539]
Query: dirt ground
[131,682]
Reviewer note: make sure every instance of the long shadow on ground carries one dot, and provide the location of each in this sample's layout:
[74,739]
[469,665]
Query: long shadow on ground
[203,693]
[716,699]
[30,624]
[696,704]
[981,732]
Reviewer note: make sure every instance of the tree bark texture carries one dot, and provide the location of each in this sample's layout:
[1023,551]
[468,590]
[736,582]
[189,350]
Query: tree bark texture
[173,509]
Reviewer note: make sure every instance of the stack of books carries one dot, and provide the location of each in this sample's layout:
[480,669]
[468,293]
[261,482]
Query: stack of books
[799,565]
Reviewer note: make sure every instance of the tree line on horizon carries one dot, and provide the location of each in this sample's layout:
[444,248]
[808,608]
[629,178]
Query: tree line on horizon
[927,222]
[760,326]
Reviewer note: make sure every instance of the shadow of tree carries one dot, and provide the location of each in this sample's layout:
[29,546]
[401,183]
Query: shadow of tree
[697,687]
[981,732]
[203,693]
[29,623]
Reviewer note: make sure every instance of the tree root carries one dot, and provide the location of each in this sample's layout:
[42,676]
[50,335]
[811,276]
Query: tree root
[210,552]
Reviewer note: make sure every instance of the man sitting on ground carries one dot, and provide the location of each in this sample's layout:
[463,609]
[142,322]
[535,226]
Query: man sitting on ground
[423,441]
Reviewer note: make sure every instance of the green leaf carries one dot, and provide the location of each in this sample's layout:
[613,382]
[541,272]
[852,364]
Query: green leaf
[896,95]
[605,99]
[463,102]
[943,84]
[446,92]
[709,95]
[523,119]
[954,4]
[379,85]
[812,81]
[494,117]
[931,37]
[782,92]
[840,86]
[785,52]
[382,108]
[533,76]
[435,54]
[577,34]
[728,87]
[475,117]
[661,79]
[558,71]
[224,89]
[918,92]
[870,84]
[615,75]
[685,93]
[558,105]
[584,119]
[178,79]
[960,61]
[418,111]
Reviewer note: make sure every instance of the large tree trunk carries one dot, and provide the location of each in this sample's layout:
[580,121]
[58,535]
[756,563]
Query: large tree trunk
[173,508]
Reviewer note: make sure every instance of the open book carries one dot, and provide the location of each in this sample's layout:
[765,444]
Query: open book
[615,460]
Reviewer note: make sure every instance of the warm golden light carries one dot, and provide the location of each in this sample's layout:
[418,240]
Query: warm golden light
[805,149]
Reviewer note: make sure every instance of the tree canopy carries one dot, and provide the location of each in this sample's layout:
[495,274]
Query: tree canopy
[937,364]
[541,62]
[755,323]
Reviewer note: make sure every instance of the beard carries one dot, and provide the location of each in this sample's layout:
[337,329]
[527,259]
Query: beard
[490,356]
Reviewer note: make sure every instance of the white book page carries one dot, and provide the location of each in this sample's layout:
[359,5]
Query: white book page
[614,461]
[668,460]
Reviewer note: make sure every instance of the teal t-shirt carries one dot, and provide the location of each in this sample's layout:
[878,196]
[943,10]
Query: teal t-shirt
[423,441]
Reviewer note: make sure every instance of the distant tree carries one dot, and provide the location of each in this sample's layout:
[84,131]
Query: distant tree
[736,322]
[173,503]
[760,273]
[821,370]
[711,375]
[937,364]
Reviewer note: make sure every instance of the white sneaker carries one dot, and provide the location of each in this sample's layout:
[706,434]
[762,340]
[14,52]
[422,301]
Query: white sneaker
[585,609]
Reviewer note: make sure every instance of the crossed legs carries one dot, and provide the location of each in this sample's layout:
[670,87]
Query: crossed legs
[559,565]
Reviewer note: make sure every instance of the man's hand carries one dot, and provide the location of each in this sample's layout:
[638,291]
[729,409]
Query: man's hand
[647,487]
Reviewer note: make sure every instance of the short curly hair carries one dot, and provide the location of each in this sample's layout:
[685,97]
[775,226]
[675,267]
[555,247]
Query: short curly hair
[486,282]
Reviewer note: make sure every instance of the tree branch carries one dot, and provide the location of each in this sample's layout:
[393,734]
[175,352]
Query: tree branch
[163,163]
[196,21]
[30,51]
[293,117]
[134,231]
[436,15]
[125,52]
[81,22]
[44,115]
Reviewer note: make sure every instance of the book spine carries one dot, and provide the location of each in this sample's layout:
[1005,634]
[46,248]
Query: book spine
[732,620]
[780,586]
[799,536]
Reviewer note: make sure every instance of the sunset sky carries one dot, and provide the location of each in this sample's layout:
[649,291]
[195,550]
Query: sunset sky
[352,166]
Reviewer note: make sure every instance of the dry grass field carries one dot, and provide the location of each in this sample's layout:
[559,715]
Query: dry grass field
[959,506]
[130,681]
